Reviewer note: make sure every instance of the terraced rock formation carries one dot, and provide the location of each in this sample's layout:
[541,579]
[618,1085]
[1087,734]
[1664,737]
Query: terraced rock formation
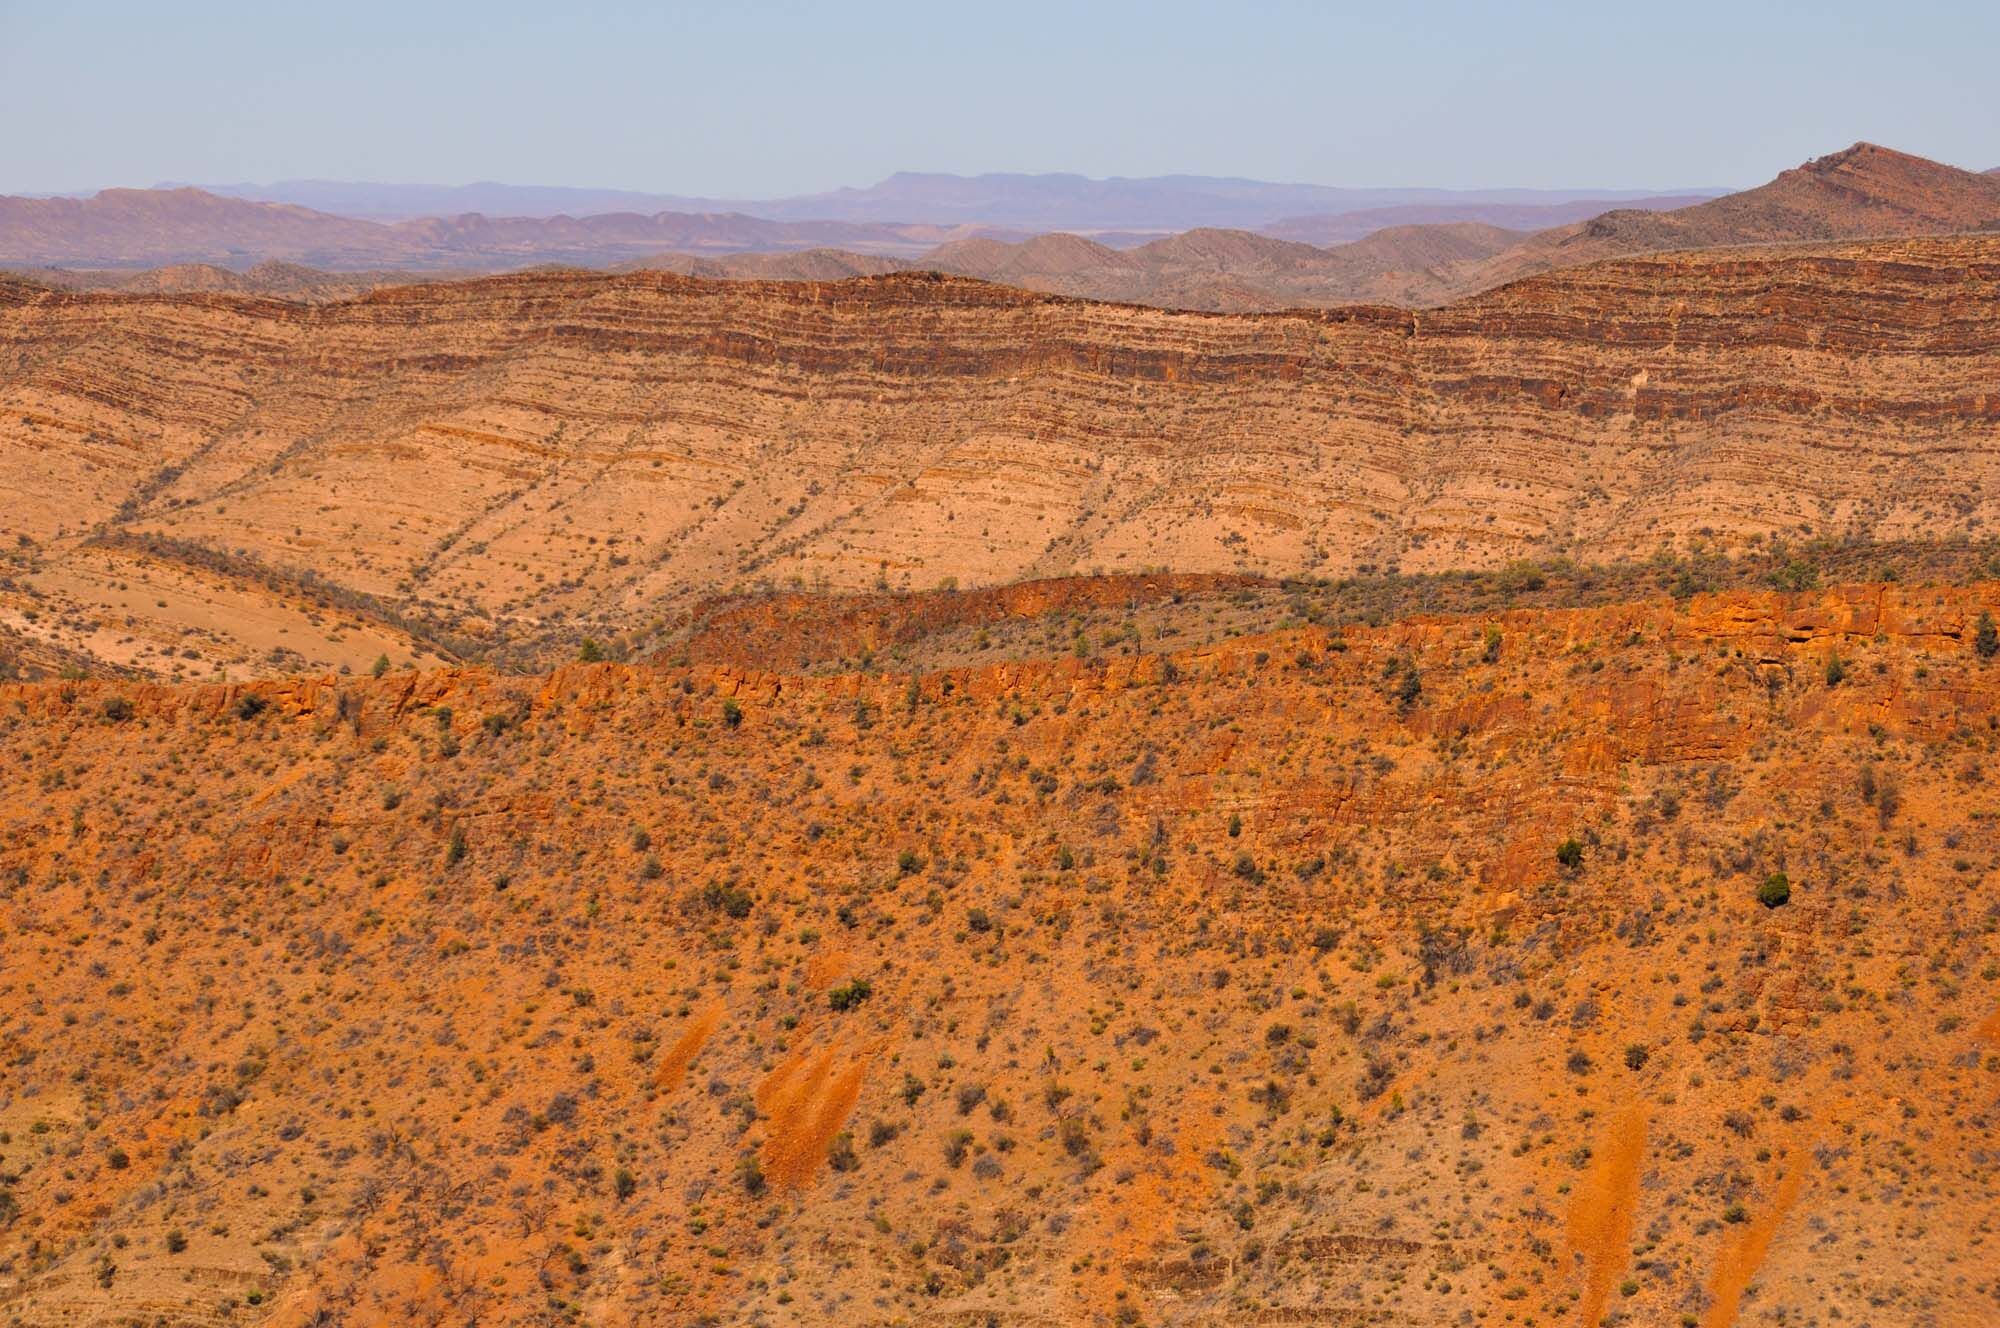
[508,465]
[1634,962]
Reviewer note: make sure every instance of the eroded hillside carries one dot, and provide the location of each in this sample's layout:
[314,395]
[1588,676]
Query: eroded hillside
[1425,973]
[499,468]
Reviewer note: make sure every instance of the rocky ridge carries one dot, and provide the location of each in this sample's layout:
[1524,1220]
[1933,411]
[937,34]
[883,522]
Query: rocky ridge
[530,459]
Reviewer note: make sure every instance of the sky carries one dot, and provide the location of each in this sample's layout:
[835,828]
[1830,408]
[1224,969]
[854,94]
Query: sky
[750,100]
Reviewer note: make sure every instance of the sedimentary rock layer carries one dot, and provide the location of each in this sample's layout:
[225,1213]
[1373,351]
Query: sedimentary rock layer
[560,452]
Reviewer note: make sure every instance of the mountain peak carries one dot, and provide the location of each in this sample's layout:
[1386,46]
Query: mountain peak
[1869,157]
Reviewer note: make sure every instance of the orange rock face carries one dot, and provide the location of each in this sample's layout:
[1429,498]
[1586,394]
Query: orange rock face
[1238,982]
[500,468]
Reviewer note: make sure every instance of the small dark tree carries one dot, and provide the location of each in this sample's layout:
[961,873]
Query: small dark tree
[840,1154]
[732,713]
[1570,853]
[1776,891]
[1410,689]
[1985,638]
[454,849]
[850,993]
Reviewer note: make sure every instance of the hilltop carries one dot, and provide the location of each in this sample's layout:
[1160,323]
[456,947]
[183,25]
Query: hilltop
[1863,191]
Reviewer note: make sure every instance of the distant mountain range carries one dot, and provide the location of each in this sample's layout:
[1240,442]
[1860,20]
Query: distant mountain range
[134,228]
[1157,204]
[1406,253]
[1863,191]
[143,228]
[1347,227]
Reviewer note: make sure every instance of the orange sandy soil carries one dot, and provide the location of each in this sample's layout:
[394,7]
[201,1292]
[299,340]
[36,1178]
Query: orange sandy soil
[1237,985]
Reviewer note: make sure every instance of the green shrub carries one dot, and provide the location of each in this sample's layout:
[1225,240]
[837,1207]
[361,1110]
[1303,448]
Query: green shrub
[1411,689]
[1985,639]
[1569,853]
[731,899]
[850,993]
[840,1154]
[1776,891]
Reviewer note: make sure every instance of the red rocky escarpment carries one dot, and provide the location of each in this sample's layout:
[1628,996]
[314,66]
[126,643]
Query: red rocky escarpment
[1429,967]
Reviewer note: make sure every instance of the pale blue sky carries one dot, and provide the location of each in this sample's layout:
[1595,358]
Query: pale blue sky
[748,99]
